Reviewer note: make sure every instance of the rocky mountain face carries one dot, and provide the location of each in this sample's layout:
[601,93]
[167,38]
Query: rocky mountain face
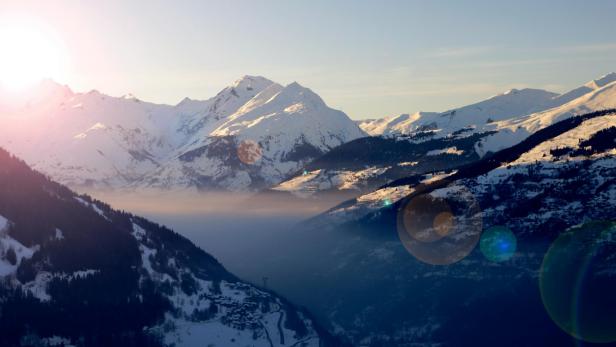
[252,134]
[75,272]
[434,143]
[422,250]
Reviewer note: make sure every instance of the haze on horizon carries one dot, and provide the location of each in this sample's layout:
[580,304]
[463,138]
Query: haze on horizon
[369,59]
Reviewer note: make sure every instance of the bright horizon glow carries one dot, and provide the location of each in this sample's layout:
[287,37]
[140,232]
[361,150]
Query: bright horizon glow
[30,53]
[367,58]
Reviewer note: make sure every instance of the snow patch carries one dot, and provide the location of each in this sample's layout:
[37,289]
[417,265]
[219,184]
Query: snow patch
[449,150]
[9,245]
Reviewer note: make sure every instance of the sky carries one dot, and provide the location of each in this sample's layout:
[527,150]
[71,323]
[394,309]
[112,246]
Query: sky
[367,58]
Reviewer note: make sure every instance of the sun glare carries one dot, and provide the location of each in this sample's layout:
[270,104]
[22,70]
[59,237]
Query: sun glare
[29,52]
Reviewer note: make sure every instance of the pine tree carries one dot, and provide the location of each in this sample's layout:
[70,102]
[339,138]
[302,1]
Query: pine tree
[11,257]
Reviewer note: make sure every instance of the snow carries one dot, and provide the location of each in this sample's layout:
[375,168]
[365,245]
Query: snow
[59,235]
[147,253]
[117,142]
[92,206]
[569,139]
[57,341]
[364,205]
[308,183]
[38,287]
[6,243]
[449,150]
[515,130]
[4,224]
[191,334]
[433,177]
[510,104]
[513,115]
[236,322]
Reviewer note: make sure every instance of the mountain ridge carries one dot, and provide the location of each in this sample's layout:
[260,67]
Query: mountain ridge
[560,177]
[75,271]
[116,142]
[439,141]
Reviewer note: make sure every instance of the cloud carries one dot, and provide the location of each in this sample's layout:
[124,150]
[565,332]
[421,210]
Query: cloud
[458,52]
[590,48]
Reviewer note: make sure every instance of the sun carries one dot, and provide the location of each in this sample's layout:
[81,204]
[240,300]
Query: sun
[29,52]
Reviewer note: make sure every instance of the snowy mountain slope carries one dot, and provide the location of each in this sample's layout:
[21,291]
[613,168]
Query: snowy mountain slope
[559,138]
[503,106]
[273,135]
[81,138]
[583,90]
[362,165]
[200,118]
[504,111]
[91,139]
[76,271]
[512,131]
[450,135]
[561,176]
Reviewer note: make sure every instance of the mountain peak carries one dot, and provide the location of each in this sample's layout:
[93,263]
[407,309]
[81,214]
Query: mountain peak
[184,101]
[295,87]
[602,81]
[252,82]
[528,92]
[129,96]
[295,92]
[49,84]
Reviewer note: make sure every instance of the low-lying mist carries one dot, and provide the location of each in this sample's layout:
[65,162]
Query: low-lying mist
[215,203]
[248,234]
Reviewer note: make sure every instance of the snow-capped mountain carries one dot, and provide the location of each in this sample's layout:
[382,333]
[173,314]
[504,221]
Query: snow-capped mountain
[509,104]
[91,139]
[274,134]
[601,96]
[559,179]
[506,107]
[426,143]
[555,145]
[361,165]
[73,271]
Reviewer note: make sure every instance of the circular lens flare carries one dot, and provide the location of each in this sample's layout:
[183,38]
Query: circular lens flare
[498,244]
[442,227]
[443,222]
[249,152]
[577,282]
[421,217]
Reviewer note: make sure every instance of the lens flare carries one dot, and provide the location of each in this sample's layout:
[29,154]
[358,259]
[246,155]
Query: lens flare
[443,222]
[498,244]
[249,152]
[578,281]
[442,227]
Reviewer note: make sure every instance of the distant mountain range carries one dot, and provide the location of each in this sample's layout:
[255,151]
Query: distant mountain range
[257,134]
[427,143]
[251,135]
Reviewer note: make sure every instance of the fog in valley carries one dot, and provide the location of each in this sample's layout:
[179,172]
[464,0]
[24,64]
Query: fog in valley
[256,237]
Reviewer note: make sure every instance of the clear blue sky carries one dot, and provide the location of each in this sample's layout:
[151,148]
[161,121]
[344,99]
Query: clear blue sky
[367,58]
